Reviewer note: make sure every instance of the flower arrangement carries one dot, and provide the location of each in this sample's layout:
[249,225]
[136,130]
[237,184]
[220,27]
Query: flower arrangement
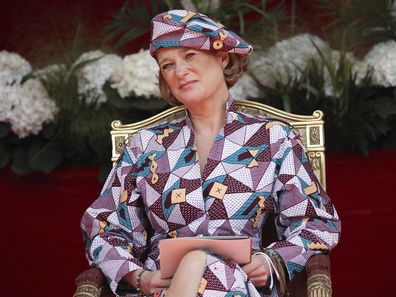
[12,68]
[94,69]
[285,60]
[26,105]
[62,113]
[382,60]
[245,88]
[303,73]
[139,77]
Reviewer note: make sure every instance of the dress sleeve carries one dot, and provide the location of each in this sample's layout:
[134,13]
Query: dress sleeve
[115,226]
[305,218]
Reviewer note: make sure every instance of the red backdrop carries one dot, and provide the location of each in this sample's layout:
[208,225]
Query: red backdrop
[42,246]
[42,30]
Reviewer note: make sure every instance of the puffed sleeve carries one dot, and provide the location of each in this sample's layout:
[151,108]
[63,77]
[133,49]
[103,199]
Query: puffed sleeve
[305,218]
[114,226]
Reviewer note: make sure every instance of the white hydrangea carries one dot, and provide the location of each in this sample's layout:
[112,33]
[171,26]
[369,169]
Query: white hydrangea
[12,68]
[26,107]
[9,97]
[381,60]
[284,60]
[245,88]
[333,58]
[93,75]
[140,77]
[49,70]
[359,70]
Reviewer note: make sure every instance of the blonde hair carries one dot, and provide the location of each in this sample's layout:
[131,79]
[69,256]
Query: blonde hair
[235,68]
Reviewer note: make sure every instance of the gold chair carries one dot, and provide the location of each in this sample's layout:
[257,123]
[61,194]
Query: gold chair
[315,280]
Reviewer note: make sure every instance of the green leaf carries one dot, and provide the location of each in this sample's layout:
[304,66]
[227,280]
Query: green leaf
[362,22]
[390,141]
[131,21]
[45,157]
[48,131]
[20,164]
[4,130]
[4,155]
[148,104]
[385,107]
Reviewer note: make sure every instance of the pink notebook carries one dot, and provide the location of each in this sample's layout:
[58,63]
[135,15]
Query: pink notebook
[172,250]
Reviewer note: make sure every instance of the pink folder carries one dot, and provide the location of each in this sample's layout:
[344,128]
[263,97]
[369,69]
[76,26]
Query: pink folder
[172,250]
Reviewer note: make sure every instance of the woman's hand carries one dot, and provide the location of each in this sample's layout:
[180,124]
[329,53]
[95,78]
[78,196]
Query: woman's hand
[151,282]
[257,270]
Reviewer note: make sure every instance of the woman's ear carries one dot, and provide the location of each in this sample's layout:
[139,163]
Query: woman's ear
[224,59]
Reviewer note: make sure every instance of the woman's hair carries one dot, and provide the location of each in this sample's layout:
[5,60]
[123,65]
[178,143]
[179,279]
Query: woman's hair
[232,73]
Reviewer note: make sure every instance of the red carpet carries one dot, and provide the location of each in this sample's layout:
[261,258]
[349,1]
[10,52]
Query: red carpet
[361,188]
[42,247]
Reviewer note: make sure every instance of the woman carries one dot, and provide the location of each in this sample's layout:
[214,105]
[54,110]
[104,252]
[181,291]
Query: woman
[215,171]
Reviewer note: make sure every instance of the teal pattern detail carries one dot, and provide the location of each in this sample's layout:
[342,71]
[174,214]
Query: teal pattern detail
[198,28]
[168,210]
[143,160]
[219,179]
[234,158]
[235,293]
[159,130]
[182,159]
[294,268]
[306,242]
[123,216]
[105,193]
[96,253]
[125,158]
[287,129]
[241,215]
[159,44]
[219,137]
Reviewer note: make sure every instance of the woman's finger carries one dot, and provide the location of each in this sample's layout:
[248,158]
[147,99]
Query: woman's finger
[258,273]
[248,268]
[253,265]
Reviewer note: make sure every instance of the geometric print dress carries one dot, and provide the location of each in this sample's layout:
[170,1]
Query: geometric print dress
[256,167]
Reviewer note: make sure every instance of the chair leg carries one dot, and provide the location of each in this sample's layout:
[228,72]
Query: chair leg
[87,291]
[92,283]
[319,277]
[319,285]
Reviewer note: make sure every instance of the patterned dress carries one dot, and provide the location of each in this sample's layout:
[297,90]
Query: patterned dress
[256,166]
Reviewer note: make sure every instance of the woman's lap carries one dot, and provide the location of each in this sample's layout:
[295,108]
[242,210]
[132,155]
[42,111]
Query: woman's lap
[223,278]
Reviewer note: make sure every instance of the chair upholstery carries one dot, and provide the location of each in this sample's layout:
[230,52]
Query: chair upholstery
[315,279]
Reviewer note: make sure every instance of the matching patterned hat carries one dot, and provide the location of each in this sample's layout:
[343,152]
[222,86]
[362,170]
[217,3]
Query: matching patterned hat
[195,30]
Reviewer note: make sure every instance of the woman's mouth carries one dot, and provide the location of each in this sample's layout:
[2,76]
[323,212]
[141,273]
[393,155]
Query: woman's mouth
[187,85]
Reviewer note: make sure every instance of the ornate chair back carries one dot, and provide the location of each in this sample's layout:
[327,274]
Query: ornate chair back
[310,127]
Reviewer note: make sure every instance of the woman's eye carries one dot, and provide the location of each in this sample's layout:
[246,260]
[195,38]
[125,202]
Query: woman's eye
[166,66]
[189,55]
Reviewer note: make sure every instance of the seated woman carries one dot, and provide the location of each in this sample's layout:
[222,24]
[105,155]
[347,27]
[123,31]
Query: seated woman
[215,171]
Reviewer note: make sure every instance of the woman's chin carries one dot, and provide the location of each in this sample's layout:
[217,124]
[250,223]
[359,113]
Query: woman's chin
[188,98]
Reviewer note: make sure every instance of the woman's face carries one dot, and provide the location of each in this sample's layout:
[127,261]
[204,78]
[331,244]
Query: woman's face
[193,76]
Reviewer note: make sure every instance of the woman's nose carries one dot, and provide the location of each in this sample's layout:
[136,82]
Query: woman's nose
[181,69]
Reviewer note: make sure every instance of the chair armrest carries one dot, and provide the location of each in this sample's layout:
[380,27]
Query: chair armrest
[318,276]
[92,283]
